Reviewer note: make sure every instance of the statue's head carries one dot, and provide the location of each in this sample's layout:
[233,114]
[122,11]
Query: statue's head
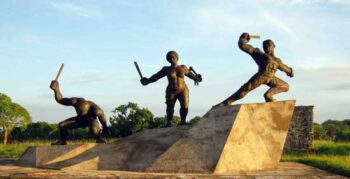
[172,57]
[268,46]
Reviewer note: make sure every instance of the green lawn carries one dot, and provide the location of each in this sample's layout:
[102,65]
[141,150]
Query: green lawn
[327,155]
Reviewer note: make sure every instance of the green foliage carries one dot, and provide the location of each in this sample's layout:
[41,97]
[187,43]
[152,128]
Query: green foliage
[195,120]
[129,119]
[327,155]
[12,115]
[319,132]
[160,122]
[333,130]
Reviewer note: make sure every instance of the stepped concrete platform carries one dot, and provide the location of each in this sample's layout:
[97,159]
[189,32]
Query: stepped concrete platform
[239,138]
[285,170]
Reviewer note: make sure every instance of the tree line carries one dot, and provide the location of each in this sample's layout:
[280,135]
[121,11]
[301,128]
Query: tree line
[334,130]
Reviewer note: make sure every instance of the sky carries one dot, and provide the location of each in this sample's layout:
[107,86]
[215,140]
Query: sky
[99,40]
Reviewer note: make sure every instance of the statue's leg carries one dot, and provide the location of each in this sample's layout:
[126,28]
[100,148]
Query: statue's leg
[276,86]
[96,130]
[63,126]
[184,99]
[170,104]
[254,82]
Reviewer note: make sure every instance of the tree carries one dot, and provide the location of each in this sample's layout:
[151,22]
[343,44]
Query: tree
[129,119]
[319,132]
[12,115]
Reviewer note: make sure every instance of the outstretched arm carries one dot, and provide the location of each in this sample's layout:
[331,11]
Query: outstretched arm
[288,70]
[58,96]
[155,77]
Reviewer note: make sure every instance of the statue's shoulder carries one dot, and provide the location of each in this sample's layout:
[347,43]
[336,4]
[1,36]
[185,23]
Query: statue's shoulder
[183,66]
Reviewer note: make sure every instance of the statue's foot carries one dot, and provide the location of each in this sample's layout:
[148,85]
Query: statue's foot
[220,105]
[101,140]
[184,123]
[59,142]
[270,100]
[169,124]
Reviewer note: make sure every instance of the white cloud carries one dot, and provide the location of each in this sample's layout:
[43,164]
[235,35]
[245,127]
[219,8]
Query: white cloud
[74,9]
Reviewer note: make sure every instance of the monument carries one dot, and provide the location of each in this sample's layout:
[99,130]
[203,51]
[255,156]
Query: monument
[228,139]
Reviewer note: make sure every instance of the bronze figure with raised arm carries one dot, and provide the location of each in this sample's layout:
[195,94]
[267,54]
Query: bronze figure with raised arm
[268,65]
[177,88]
[87,114]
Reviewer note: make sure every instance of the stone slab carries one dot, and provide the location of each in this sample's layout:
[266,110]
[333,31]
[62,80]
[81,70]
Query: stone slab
[239,138]
[285,170]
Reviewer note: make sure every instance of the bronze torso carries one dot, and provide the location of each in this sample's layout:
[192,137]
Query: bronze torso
[176,78]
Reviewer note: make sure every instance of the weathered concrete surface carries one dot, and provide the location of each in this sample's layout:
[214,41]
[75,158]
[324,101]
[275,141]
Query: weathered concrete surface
[285,170]
[133,153]
[247,137]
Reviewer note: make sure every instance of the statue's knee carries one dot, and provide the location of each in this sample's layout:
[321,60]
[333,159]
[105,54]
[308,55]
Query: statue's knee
[268,96]
[170,110]
[95,129]
[286,86]
[61,125]
[183,110]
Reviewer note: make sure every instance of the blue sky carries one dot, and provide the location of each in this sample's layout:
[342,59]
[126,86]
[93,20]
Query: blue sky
[99,40]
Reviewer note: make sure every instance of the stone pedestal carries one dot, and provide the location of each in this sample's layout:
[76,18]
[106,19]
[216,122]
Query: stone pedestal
[239,138]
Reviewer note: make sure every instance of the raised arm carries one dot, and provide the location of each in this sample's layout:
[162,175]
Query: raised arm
[281,66]
[58,96]
[160,74]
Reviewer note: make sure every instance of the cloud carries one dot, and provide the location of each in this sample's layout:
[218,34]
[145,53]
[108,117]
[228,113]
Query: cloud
[77,10]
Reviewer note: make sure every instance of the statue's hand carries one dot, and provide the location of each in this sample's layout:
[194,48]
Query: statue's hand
[198,79]
[144,81]
[291,73]
[54,85]
[245,36]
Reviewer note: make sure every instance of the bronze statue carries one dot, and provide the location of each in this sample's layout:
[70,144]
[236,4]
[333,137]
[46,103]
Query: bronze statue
[268,65]
[177,88]
[87,114]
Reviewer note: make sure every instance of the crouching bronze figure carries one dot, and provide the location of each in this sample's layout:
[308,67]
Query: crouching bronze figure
[87,114]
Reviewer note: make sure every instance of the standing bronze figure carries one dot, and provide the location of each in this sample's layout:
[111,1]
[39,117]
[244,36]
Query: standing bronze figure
[87,114]
[268,65]
[177,88]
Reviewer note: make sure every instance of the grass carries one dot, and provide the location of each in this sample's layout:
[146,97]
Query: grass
[327,155]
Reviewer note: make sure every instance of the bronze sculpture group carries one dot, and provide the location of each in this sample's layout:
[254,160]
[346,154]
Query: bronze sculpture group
[88,112]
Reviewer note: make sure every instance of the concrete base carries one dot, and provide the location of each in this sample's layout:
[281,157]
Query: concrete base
[239,138]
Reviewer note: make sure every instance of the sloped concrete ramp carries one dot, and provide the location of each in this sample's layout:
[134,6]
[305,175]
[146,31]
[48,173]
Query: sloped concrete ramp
[239,138]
